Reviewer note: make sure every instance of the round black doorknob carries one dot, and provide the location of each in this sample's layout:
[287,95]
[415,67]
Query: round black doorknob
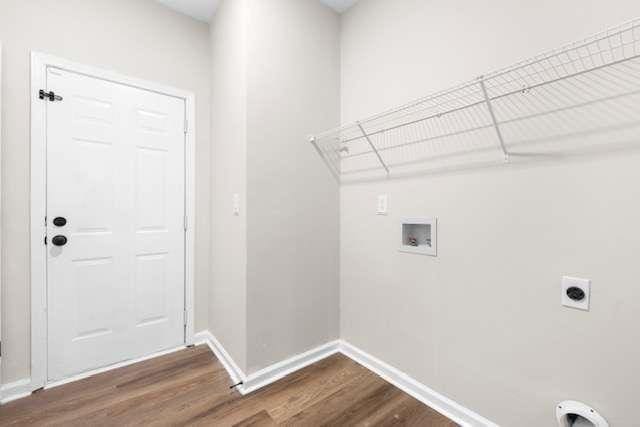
[59,240]
[60,221]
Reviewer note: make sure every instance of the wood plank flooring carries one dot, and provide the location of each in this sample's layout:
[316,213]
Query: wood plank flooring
[191,387]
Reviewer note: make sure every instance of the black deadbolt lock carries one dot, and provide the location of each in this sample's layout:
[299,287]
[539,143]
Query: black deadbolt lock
[59,221]
[59,240]
[575,293]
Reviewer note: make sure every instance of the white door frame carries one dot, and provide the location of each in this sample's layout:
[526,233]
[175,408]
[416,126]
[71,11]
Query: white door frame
[1,234]
[39,64]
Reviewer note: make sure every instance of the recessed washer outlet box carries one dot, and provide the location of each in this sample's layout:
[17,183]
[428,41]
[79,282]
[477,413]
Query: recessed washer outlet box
[419,236]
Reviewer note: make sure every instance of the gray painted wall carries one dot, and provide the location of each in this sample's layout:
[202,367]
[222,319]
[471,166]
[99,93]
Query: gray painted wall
[227,308]
[292,200]
[139,38]
[482,322]
[276,77]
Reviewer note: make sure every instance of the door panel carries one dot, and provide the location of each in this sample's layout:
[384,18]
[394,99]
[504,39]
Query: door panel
[156,122]
[115,171]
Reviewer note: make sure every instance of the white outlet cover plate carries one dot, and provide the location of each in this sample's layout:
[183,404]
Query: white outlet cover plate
[584,284]
[236,204]
[383,203]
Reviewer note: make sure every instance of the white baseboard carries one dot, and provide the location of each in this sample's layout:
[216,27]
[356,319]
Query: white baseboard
[15,390]
[271,373]
[281,369]
[205,337]
[447,407]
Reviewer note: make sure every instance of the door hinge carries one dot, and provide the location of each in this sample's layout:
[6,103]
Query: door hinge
[185,317]
[186,127]
[51,96]
[45,240]
[186,225]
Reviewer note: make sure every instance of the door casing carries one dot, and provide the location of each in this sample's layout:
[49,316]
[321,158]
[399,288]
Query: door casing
[1,231]
[39,64]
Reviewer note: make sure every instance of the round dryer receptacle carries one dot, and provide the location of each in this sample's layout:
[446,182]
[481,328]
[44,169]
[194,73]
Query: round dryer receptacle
[572,413]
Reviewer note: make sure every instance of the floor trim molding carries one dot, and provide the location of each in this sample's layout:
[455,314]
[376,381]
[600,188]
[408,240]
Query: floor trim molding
[281,369]
[447,407]
[271,373]
[465,417]
[205,337]
[15,390]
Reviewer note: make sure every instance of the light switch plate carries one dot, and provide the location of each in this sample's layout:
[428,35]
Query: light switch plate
[236,204]
[574,282]
[383,203]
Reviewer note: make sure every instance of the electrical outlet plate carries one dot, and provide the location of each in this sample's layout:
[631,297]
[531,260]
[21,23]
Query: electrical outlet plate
[383,202]
[236,204]
[584,284]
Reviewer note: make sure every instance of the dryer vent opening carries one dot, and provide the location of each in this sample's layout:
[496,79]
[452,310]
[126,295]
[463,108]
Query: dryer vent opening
[575,420]
[576,414]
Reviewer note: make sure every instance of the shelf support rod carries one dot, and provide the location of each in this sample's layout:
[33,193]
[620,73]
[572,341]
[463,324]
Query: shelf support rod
[493,118]
[313,141]
[375,150]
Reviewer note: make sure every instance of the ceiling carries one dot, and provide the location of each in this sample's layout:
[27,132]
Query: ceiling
[203,10]
[339,5]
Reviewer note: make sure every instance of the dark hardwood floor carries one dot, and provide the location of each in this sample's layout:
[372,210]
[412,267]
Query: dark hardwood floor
[191,387]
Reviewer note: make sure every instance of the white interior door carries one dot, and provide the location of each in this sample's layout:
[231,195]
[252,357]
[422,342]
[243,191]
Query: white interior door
[116,174]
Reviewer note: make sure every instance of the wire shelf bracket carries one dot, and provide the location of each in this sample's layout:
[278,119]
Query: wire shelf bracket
[373,147]
[580,96]
[313,141]
[493,118]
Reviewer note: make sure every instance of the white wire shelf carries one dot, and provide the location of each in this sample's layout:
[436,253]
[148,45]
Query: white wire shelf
[580,95]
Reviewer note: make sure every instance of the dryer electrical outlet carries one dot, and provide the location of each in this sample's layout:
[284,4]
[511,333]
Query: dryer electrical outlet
[576,293]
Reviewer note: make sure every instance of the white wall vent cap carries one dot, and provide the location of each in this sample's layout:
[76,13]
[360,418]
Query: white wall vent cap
[571,413]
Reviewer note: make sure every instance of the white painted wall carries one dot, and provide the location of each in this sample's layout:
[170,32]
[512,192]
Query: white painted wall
[139,38]
[228,303]
[292,201]
[482,322]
